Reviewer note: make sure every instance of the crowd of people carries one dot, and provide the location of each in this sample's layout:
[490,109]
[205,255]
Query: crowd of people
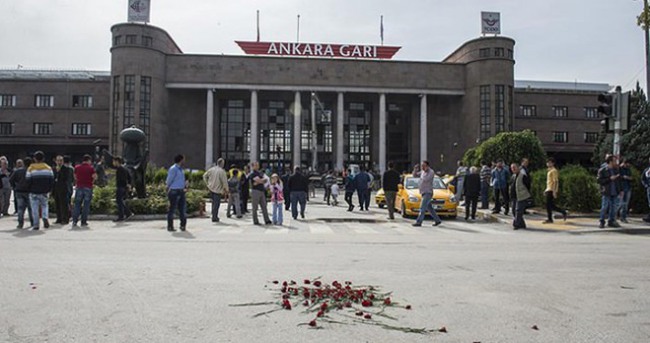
[33,181]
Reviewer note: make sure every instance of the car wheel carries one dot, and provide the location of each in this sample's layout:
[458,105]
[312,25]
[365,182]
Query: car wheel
[380,205]
[403,210]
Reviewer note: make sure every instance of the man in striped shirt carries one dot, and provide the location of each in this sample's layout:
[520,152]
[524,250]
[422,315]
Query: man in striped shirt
[486,174]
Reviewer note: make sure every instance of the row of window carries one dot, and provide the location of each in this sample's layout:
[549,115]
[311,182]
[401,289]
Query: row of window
[45,100]
[563,137]
[558,111]
[133,39]
[45,129]
[496,52]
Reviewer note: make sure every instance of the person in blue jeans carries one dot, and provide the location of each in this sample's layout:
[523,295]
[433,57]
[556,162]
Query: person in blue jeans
[626,183]
[427,178]
[85,176]
[361,183]
[486,174]
[298,185]
[611,189]
[176,189]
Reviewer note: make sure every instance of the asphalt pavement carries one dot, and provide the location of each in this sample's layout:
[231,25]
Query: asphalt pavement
[482,282]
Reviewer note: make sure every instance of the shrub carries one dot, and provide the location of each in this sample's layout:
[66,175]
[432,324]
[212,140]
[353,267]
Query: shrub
[103,200]
[579,190]
[160,176]
[509,146]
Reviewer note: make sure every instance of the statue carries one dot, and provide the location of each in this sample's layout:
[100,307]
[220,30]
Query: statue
[135,159]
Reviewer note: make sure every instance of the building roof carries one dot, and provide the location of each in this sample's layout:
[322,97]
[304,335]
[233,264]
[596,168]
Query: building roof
[562,86]
[27,74]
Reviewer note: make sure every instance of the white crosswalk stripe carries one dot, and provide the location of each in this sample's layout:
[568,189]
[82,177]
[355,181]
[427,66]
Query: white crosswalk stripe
[363,230]
[320,229]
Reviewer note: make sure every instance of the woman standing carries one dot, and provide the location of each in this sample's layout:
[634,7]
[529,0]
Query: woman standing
[277,199]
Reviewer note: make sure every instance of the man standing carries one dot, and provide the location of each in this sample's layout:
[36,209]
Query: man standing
[522,189]
[389,182]
[85,176]
[5,187]
[361,181]
[286,193]
[62,176]
[525,162]
[472,188]
[552,191]
[216,179]
[176,189]
[298,186]
[610,187]
[486,173]
[426,190]
[245,188]
[122,186]
[626,183]
[234,189]
[461,173]
[645,180]
[40,180]
[21,191]
[500,176]
[328,181]
[258,194]
[349,189]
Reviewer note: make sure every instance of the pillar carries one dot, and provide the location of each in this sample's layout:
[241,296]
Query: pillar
[255,129]
[297,129]
[423,127]
[339,132]
[382,133]
[314,140]
[209,130]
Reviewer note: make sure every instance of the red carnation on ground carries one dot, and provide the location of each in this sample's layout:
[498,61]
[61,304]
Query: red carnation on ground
[307,282]
[387,301]
[312,323]
[368,316]
[366,303]
[408,307]
[317,283]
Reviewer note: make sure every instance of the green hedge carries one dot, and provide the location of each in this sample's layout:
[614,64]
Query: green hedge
[579,190]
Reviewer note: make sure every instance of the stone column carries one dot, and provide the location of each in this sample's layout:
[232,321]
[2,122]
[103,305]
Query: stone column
[382,133]
[339,132]
[297,130]
[255,129]
[209,130]
[423,127]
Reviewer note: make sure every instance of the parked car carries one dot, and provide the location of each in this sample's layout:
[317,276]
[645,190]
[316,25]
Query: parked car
[380,198]
[408,198]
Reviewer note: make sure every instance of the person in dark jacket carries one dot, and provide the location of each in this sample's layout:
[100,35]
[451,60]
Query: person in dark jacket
[62,176]
[349,189]
[18,181]
[298,185]
[522,191]
[361,182]
[645,181]
[286,193]
[610,189]
[472,190]
[40,179]
[123,183]
[389,182]
[245,189]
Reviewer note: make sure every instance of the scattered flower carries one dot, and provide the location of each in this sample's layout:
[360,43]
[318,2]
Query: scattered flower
[312,323]
[367,316]
[408,307]
[443,329]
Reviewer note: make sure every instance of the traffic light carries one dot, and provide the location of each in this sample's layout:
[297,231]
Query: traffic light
[605,108]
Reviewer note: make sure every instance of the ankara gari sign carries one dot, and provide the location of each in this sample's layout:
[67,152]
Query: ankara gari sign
[318,50]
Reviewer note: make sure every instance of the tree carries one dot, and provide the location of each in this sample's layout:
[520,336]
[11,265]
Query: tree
[509,146]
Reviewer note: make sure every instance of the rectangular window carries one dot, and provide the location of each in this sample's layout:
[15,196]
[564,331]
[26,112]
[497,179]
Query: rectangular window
[129,101]
[560,137]
[485,112]
[145,107]
[357,132]
[44,100]
[147,41]
[560,111]
[499,52]
[81,129]
[591,137]
[116,112]
[510,54]
[484,53]
[591,113]
[42,129]
[500,115]
[528,110]
[7,100]
[6,129]
[511,109]
[117,40]
[131,39]
[85,101]
[236,132]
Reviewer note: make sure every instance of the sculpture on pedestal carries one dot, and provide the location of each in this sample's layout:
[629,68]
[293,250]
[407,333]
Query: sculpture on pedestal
[135,158]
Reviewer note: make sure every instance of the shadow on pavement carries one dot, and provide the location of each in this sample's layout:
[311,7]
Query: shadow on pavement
[80,229]
[24,233]
[183,235]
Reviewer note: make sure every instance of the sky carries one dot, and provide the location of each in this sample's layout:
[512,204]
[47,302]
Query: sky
[556,40]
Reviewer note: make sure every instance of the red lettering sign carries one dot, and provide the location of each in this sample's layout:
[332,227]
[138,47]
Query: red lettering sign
[318,50]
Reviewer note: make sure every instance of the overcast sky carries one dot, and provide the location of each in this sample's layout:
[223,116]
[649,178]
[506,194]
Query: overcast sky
[560,40]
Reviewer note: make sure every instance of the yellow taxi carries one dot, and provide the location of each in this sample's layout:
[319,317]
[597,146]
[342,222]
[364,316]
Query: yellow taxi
[408,198]
[380,198]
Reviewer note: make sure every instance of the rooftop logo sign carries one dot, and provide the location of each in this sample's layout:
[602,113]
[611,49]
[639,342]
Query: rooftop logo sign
[139,11]
[318,50]
[491,23]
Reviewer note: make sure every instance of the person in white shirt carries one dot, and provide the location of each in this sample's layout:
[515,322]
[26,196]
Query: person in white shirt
[335,193]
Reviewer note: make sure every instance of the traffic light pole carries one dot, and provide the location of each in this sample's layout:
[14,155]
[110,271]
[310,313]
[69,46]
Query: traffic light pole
[617,122]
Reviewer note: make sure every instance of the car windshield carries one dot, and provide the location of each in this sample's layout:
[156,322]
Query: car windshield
[414,183]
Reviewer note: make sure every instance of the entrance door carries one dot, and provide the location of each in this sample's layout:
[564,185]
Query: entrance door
[398,135]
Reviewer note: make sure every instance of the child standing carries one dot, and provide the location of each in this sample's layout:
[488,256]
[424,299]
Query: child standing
[335,193]
[277,199]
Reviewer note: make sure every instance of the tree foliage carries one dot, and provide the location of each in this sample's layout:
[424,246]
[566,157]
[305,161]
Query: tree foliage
[509,146]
